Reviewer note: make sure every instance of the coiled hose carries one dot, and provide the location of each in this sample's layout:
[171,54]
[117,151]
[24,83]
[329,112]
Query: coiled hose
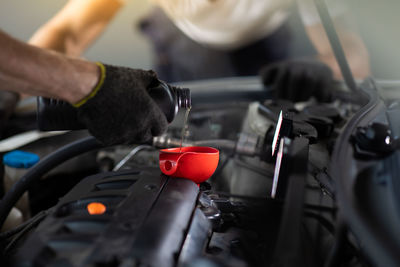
[49,162]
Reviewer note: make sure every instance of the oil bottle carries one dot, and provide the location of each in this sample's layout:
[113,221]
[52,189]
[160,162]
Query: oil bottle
[56,115]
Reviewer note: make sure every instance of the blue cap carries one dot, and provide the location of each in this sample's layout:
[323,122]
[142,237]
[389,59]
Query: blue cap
[20,159]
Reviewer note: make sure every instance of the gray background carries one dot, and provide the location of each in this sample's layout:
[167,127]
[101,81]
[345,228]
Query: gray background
[120,44]
[378,23]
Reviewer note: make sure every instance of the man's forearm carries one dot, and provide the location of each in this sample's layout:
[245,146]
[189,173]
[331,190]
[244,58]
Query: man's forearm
[358,63]
[76,26]
[30,70]
[354,48]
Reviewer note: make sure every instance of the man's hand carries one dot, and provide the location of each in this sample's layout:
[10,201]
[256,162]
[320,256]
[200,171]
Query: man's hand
[298,80]
[119,110]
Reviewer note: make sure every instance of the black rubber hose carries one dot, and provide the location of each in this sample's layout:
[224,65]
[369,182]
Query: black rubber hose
[22,226]
[46,164]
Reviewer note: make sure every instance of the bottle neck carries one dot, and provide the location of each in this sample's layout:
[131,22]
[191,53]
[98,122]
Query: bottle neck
[170,99]
[183,97]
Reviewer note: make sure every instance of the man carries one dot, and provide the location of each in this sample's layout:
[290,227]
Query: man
[111,101]
[227,26]
[218,24]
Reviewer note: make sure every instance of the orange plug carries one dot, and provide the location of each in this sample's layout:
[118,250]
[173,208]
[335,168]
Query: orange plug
[96,208]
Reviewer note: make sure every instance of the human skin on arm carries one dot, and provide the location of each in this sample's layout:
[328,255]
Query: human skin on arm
[353,46]
[112,102]
[34,71]
[76,26]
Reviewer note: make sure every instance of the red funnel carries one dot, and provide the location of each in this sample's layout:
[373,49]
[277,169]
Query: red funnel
[194,163]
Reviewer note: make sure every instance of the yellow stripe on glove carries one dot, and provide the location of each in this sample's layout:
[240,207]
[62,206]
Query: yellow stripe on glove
[96,89]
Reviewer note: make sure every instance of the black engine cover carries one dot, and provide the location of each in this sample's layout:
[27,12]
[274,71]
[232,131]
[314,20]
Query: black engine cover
[145,223]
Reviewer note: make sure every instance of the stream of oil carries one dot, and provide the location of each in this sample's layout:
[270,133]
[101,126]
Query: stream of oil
[184,128]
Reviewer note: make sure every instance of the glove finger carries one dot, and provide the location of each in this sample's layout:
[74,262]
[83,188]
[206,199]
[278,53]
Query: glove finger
[320,80]
[296,89]
[307,82]
[269,75]
[283,88]
[152,79]
[156,127]
[326,85]
[159,124]
[142,136]
[145,78]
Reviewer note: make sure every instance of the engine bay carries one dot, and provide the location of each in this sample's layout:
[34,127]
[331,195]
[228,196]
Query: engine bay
[296,167]
[257,209]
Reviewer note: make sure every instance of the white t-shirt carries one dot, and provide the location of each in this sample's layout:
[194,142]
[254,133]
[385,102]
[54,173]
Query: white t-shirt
[229,24]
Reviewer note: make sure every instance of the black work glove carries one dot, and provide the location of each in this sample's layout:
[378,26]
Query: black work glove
[121,110]
[298,80]
[8,102]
